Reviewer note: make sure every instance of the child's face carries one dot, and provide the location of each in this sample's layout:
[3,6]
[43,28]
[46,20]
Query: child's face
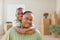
[19,14]
[27,20]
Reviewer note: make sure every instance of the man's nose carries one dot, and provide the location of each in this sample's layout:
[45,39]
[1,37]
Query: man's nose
[29,21]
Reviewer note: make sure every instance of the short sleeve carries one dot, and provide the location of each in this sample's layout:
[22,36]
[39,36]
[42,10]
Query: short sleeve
[16,23]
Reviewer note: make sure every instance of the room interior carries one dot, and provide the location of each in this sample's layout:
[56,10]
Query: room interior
[38,7]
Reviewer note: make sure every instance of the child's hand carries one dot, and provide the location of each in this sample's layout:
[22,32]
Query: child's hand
[20,30]
[30,30]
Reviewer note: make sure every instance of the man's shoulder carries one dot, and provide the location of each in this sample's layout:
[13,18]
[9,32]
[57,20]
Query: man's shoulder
[37,32]
[38,35]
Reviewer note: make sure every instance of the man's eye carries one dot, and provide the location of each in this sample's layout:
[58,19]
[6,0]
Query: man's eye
[26,18]
[30,19]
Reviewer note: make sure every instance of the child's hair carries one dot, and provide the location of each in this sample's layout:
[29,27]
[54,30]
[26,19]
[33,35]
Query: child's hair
[27,12]
[19,8]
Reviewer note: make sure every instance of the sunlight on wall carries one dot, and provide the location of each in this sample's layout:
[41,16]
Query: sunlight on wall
[11,11]
[0,13]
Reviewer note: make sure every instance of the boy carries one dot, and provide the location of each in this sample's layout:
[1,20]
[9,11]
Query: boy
[18,25]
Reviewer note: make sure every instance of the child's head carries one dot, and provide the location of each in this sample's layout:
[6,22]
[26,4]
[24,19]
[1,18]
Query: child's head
[27,19]
[19,13]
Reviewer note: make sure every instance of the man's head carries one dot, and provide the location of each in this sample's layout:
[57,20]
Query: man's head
[27,19]
[19,13]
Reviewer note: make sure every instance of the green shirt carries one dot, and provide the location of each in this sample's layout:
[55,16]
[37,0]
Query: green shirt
[12,34]
[17,22]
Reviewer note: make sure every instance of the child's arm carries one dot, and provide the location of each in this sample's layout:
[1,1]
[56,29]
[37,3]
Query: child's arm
[30,30]
[21,30]
[27,31]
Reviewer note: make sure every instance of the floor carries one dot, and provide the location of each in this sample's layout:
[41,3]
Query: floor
[49,37]
[46,37]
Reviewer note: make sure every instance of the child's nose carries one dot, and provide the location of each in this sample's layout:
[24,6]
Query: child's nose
[21,16]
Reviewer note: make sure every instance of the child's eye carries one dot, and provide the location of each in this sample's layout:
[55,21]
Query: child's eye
[18,13]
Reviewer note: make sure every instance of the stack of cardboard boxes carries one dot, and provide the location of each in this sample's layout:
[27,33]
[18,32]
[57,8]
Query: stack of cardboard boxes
[54,18]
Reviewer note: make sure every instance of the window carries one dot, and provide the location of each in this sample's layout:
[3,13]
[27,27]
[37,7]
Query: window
[11,10]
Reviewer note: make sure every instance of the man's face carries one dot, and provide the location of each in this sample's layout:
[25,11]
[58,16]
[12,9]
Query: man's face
[27,20]
[19,14]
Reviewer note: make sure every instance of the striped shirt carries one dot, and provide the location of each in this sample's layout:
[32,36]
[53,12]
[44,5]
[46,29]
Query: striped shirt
[12,34]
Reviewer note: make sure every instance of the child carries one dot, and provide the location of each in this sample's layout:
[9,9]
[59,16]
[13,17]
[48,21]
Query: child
[18,25]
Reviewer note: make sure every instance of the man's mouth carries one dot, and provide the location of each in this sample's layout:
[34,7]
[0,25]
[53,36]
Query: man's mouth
[28,24]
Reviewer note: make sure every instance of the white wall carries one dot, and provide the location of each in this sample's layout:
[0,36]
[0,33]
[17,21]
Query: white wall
[58,9]
[1,17]
[38,7]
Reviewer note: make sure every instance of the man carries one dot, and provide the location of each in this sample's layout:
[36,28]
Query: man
[27,20]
